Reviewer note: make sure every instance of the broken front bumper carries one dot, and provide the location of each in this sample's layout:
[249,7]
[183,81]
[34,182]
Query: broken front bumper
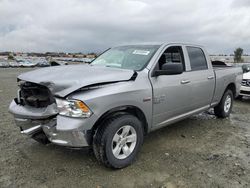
[58,129]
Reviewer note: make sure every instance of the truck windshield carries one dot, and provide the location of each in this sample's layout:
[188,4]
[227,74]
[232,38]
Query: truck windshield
[133,57]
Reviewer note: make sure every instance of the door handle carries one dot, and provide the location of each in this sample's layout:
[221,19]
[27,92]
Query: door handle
[210,77]
[185,81]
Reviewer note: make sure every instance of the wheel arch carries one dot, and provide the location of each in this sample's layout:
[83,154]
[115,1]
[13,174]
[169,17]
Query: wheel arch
[128,109]
[232,87]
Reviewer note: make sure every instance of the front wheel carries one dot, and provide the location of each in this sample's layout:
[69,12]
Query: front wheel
[117,142]
[224,108]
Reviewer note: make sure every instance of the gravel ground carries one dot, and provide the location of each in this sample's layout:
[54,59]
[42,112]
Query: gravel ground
[201,151]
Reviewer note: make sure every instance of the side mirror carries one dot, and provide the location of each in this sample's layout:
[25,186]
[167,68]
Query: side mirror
[245,68]
[169,69]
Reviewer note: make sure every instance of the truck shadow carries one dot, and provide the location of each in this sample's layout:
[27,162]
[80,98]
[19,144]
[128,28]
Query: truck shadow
[179,135]
[244,100]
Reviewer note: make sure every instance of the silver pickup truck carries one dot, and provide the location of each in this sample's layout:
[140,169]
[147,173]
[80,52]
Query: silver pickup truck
[125,93]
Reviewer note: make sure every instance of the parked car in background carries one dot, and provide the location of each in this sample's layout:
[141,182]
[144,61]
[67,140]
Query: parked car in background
[4,64]
[25,63]
[125,93]
[58,63]
[246,68]
[43,64]
[14,64]
[245,84]
[87,60]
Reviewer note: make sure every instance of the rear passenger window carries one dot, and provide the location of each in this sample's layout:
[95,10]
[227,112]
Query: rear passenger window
[197,58]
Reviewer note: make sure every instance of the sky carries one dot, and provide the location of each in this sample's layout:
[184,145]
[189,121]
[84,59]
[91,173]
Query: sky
[95,25]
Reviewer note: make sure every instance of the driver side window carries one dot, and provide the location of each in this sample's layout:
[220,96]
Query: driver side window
[173,54]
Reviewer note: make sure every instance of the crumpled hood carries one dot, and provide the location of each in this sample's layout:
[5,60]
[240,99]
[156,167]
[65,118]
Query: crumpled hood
[63,80]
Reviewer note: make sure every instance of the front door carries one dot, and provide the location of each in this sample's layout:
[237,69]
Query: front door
[171,93]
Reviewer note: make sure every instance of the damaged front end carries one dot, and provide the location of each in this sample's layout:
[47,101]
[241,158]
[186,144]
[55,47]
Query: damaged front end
[45,110]
[36,113]
[34,95]
[33,128]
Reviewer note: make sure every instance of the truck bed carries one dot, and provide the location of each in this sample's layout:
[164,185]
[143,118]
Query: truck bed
[225,75]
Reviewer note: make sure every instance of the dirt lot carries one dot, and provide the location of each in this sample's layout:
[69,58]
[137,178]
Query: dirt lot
[201,151]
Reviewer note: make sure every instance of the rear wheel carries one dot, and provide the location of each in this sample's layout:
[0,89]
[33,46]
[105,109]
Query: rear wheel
[224,108]
[117,142]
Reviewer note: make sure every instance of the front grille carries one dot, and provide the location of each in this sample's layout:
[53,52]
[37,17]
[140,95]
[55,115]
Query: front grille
[245,82]
[245,92]
[35,95]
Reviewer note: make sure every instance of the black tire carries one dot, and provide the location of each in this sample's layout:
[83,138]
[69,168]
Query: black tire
[103,140]
[219,110]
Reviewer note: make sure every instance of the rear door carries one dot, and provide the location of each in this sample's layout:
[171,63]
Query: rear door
[202,79]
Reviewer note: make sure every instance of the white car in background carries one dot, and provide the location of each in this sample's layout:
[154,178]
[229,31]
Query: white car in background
[4,64]
[25,63]
[245,84]
[13,64]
